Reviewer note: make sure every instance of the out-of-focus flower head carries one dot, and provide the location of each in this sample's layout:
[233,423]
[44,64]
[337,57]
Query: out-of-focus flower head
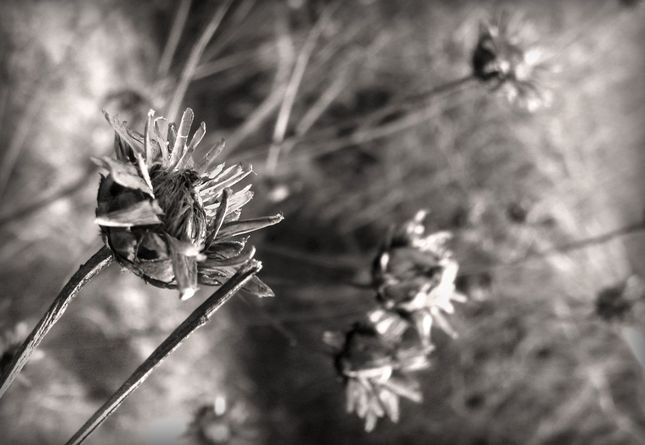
[375,359]
[221,423]
[513,67]
[167,210]
[623,303]
[415,273]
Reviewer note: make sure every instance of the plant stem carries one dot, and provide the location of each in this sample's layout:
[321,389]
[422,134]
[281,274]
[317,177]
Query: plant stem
[635,339]
[99,261]
[195,320]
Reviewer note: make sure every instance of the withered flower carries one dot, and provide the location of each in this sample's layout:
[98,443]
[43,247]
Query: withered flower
[513,67]
[167,210]
[415,273]
[622,303]
[221,423]
[375,359]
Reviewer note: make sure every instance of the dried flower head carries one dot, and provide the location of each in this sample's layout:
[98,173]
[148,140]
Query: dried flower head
[375,359]
[415,274]
[221,423]
[623,303]
[167,211]
[513,67]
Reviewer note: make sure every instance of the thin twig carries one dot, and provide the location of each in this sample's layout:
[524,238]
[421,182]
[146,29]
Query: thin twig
[563,248]
[193,60]
[198,318]
[291,92]
[99,261]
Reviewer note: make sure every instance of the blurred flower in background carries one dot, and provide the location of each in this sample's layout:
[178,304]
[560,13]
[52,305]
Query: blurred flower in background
[376,365]
[623,303]
[415,273]
[222,423]
[513,67]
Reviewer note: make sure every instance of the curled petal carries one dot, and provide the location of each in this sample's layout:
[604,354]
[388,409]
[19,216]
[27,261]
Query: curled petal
[124,174]
[137,214]
[179,146]
[184,266]
[237,228]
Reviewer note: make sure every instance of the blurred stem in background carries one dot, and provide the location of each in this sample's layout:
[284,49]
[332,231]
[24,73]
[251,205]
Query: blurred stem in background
[198,318]
[97,263]
[635,339]
[193,60]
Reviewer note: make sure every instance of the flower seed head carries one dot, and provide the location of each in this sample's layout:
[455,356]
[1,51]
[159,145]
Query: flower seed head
[222,422]
[375,360]
[415,274]
[501,59]
[169,213]
[622,303]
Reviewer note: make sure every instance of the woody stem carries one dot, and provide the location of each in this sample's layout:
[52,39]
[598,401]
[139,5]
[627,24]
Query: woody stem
[99,261]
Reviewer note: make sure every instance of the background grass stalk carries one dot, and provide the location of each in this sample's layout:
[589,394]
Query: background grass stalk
[99,261]
[198,318]
[635,340]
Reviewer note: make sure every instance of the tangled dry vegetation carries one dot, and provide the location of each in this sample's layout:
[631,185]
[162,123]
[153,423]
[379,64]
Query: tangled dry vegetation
[521,132]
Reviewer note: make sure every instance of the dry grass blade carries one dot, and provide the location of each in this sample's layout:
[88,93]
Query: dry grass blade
[99,261]
[198,318]
[291,91]
[193,60]
[319,144]
[173,38]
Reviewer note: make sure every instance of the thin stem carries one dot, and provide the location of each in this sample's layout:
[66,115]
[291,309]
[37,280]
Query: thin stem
[194,58]
[291,91]
[198,318]
[319,142]
[99,261]
[176,31]
[635,340]
[572,246]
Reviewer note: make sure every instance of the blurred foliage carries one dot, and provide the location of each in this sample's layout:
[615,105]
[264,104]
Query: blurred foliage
[336,106]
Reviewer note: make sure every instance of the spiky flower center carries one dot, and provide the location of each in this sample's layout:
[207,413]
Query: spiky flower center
[183,216]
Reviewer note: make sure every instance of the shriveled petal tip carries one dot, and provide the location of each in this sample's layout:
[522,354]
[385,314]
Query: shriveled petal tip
[258,288]
[132,139]
[186,293]
[236,228]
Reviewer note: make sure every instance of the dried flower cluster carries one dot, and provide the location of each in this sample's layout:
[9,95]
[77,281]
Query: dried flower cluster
[623,303]
[511,66]
[413,276]
[221,422]
[167,210]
